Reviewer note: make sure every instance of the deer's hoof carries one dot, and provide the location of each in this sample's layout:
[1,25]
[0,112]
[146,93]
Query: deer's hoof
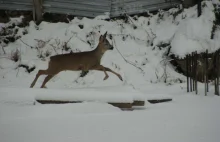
[106,77]
[120,78]
[45,87]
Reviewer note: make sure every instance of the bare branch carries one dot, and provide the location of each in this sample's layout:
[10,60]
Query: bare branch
[82,40]
[57,41]
[132,37]
[64,46]
[54,48]
[19,60]
[26,44]
[39,40]
[17,73]
[127,60]
[41,43]
[3,49]
[69,39]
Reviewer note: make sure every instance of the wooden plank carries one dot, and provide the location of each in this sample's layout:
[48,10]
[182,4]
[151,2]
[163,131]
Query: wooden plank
[122,105]
[56,102]
[119,105]
[138,103]
[154,101]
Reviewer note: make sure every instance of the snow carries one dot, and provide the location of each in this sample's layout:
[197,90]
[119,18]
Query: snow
[106,15]
[85,96]
[188,117]
[215,2]
[16,21]
[2,25]
[194,34]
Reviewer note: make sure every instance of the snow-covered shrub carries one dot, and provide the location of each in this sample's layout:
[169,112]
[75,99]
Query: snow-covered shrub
[216,22]
[15,55]
[11,31]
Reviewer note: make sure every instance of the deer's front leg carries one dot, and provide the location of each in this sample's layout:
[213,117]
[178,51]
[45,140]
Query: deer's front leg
[119,76]
[100,67]
[108,69]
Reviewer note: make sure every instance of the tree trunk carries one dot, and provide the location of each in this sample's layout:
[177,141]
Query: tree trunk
[199,7]
[37,10]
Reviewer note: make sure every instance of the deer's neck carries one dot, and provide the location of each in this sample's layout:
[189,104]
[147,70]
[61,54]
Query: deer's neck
[99,52]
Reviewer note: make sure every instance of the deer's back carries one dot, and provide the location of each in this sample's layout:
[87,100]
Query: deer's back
[74,61]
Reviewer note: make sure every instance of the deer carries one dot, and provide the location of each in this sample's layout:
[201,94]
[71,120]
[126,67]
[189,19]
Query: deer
[78,61]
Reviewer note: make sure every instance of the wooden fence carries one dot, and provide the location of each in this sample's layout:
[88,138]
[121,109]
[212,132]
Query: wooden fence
[210,72]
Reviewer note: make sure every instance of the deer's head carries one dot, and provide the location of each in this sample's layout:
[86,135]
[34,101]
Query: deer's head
[104,43]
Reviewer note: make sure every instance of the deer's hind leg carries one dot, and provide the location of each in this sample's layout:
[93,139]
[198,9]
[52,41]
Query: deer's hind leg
[40,72]
[51,72]
[46,80]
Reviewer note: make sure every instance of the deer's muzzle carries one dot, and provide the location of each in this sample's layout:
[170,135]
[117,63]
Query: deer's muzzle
[112,48]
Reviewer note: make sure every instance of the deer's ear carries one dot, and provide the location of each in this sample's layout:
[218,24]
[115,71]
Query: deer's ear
[105,34]
[101,38]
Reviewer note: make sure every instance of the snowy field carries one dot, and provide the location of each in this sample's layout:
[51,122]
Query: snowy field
[187,118]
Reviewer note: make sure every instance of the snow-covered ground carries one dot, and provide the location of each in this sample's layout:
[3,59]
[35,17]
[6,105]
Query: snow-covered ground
[188,118]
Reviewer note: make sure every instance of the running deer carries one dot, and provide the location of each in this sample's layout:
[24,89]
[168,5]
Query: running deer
[84,61]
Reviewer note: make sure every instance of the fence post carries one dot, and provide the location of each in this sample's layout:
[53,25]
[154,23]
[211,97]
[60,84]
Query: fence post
[190,72]
[217,73]
[187,72]
[205,73]
[196,85]
[37,10]
[207,66]
[193,68]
